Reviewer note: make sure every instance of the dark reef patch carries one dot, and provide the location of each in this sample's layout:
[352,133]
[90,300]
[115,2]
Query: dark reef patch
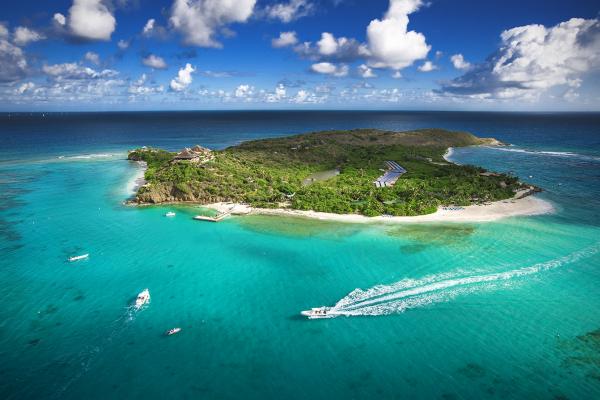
[472,371]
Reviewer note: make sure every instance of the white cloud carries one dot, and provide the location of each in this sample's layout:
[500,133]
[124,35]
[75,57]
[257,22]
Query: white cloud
[243,91]
[397,75]
[366,72]
[123,44]
[74,71]
[139,87]
[25,87]
[90,19]
[330,69]
[532,59]
[60,19]
[149,27]
[279,94]
[328,44]
[92,57]
[307,97]
[183,78]
[459,62]
[3,31]
[198,20]
[154,61]
[23,36]
[285,39]
[391,44]
[287,12]
[330,48]
[427,66]
[13,64]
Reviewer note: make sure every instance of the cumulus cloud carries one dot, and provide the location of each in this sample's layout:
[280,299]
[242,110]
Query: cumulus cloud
[25,87]
[199,20]
[329,48]
[92,57]
[23,36]
[459,62]
[327,68]
[366,72]
[123,44]
[89,20]
[149,27]
[59,19]
[287,12]
[285,39]
[3,31]
[13,64]
[183,78]
[154,61]
[140,88]
[427,66]
[74,71]
[244,91]
[532,59]
[391,44]
[279,94]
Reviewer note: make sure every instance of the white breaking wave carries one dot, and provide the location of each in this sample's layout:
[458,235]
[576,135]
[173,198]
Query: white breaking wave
[411,293]
[91,156]
[564,154]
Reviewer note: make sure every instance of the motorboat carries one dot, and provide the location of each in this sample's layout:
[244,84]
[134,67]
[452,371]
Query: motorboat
[170,214]
[173,331]
[319,312]
[142,298]
[77,258]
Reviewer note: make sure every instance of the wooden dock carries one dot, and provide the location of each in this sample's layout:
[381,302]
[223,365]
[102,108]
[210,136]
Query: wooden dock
[216,218]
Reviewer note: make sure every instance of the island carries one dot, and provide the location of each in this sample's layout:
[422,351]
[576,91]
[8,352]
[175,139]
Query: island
[362,173]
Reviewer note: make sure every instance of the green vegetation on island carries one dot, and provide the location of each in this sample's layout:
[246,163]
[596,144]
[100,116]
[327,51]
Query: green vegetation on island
[272,173]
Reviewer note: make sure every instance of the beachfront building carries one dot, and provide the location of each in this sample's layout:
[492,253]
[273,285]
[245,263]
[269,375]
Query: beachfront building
[196,154]
[390,177]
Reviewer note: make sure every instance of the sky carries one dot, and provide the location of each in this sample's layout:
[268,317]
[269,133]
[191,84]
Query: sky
[70,55]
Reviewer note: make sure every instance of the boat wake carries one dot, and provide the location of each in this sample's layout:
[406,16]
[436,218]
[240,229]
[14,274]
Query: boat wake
[85,358]
[564,154]
[412,293]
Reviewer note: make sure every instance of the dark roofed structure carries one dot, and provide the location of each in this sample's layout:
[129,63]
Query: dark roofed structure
[185,154]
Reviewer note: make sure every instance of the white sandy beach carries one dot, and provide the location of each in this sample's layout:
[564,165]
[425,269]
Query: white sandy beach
[529,205]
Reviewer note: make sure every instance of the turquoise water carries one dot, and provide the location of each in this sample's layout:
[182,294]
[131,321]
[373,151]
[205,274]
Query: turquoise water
[508,309]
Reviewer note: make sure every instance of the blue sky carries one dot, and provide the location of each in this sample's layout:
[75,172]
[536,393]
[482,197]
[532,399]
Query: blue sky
[288,54]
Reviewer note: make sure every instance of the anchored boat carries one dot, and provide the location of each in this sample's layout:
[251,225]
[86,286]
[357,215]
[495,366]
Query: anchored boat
[172,331]
[170,214]
[77,258]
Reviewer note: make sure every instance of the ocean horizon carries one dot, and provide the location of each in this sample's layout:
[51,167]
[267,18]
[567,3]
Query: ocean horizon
[505,309]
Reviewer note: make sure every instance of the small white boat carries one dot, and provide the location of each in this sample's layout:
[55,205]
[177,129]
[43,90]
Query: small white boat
[319,312]
[170,214]
[173,331]
[142,298]
[77,258]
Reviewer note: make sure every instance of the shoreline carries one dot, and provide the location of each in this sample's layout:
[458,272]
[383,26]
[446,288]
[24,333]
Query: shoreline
[522,204]
[137,181]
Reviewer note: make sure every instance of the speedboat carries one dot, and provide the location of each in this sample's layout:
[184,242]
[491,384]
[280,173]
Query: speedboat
[170,214]
[142,298]
[77,258]
[173,331]
[318,312]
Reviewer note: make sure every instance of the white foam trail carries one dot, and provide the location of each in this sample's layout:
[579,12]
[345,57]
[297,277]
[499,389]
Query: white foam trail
[410,293]
[564,154]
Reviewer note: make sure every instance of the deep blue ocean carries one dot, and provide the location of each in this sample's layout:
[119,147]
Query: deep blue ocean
[507,309]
